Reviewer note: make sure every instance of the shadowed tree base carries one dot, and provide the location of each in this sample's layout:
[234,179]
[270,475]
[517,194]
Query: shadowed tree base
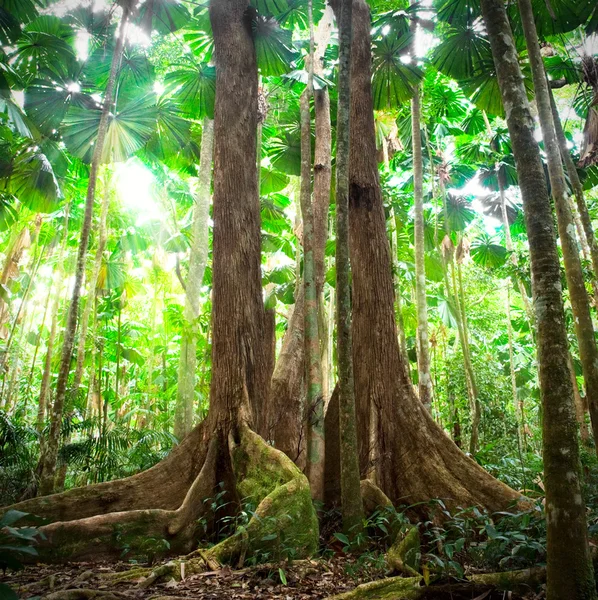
[246,468]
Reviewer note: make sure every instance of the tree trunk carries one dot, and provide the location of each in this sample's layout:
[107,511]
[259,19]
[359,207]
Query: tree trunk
[404,431]
[50,454]
[351,503]
[314,400]
[169,500]
[580,304]
[91,294]
[577,187]
[423,343]
[183,418]
[58,277]
[569,569]
[285,414]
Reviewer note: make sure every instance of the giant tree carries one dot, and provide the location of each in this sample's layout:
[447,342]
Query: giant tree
[394,429]
[221,454]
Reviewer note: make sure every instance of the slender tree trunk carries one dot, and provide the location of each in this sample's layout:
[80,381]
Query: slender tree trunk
[351,504]
[569,571]
[91,293]
[576,185]
[313,369]
[580,304]
[50,454]
[423,343]
[58,277]
[580,406]
[198,259]
[476,410]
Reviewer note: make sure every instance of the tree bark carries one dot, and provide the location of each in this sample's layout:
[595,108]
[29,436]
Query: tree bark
[580,303]
[423,343]
[569,570]
[577,187]
[57,279]
[50,454]
[198,258]
[285,404]
[351,503]
[404,431]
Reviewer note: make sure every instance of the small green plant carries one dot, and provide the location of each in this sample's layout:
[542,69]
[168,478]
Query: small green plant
[15,544]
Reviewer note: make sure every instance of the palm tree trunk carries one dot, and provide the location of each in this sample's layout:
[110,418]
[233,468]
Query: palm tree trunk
[48,458]
[58,277]
[576,185]
[198,258]
[314,401]
[91,293]
[423,343]
[351,503]
[580,304]
[569,571]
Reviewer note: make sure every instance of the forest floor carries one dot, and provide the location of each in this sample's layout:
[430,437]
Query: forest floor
[316,579]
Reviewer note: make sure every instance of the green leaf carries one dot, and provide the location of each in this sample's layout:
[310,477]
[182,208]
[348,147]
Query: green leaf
[194,89]
[128,130]
[14,13]
[273,47]
[282,575]
[393,81]
[270,7]
[341,537]
[486,252]
[272,181]
[11,517]
[33,182]
[163,16]
[461,53]
[7,593]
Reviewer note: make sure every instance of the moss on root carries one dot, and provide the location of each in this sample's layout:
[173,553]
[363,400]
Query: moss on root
[393,588]
[284,525]
[403,556]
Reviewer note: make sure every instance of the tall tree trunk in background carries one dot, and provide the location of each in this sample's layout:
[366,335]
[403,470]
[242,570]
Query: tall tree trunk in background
[314,401]
[50,454]
[284,413]
[57,279]
[91,294]
[576,185]
[569,570]
[322,188]
[476,410]
[10,271]
[351,503]
[402,430]
[198,258]
[580,303]
[423,343]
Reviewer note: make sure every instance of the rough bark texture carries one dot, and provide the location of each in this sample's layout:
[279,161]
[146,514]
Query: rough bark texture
[285,404]
[405,431]
[351,505]
[569,569]
[580,303]
[50,451]
[198,258]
